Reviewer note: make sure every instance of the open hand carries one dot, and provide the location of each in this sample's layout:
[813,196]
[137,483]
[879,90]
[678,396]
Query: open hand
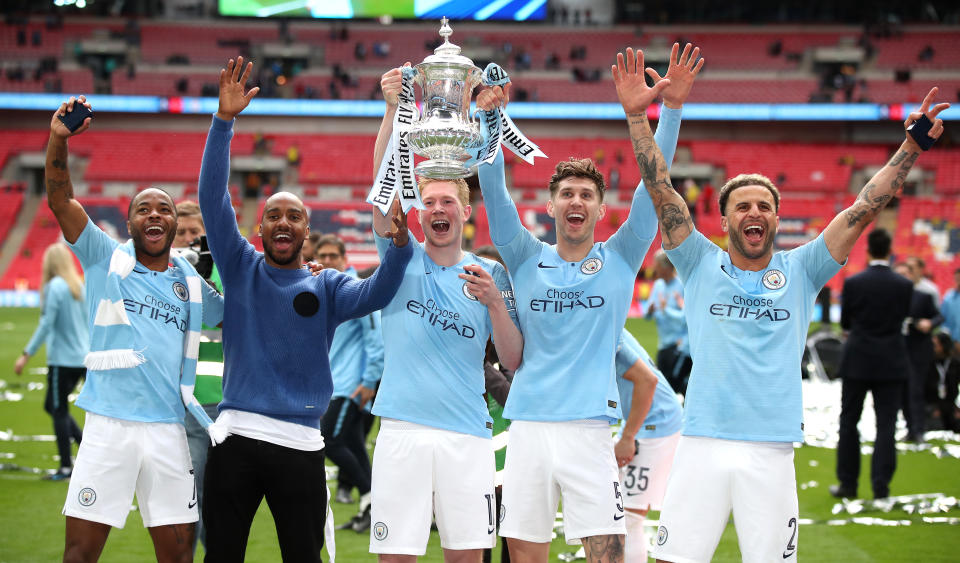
[20,363]
[233,99]
[58,128]
[681,73]
[931,113]
[635,96]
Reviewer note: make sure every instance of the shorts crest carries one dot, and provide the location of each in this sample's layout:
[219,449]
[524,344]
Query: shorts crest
[87,496]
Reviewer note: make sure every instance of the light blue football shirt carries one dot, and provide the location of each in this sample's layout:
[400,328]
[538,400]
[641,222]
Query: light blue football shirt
[665,416]
[671,321]
[435,337]
[571,313]
[149,392]
[747,335]
[356,353]
[63,326]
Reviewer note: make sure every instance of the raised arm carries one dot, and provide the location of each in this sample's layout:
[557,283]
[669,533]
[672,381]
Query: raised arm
[390,83]
[68,211]
[672,214]
[214,198]
[841,234]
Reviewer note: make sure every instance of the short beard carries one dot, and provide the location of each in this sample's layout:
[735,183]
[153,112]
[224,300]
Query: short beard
[737,242]
[268,250]
[140,246]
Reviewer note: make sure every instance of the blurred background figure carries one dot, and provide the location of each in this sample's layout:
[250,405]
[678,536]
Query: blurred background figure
[63,327]
[665,307]
[945,376]
[208,388]
[356,364]
[951,311]
[309,249]
[924,316]
[874,306]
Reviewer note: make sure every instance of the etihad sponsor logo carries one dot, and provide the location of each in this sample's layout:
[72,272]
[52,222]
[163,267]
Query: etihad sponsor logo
[558,301]
[156,309]
[753,308]
[440,318]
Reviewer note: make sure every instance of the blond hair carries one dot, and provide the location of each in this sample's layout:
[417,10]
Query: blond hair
[189,208]
[463,191]
[58,262]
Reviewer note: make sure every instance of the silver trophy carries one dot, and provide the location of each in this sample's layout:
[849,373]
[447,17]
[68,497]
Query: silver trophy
[445,129]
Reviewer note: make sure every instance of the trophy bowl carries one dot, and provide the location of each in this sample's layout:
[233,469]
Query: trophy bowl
[445,130]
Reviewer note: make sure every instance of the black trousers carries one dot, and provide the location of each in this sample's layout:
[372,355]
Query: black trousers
[675,366]
[60,383]
[343,438]
[914,399]
[886,403]
[240,473]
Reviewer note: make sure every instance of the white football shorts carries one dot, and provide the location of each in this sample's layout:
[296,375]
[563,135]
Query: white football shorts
[644,479]
[420,472]
[118,458]
[550,461]
[711,477]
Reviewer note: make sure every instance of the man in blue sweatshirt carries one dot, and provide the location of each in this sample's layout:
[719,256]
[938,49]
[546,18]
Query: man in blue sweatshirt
[273,399]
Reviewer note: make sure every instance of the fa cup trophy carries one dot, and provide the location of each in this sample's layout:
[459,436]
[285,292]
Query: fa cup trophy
[445,129]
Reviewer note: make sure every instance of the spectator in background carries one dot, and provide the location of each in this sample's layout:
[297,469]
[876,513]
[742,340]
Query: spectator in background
[946,377]
[875,303]
[309,249]
[951,310]
[921,278]
[665,307]
[356,364]
[924,316]
[208,389]
[63,327]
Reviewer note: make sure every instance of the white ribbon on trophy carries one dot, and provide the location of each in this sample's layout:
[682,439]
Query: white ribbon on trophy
[395,175]
[499,128]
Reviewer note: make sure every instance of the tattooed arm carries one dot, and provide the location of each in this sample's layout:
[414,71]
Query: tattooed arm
[635,96]
[66,209]
[841,234]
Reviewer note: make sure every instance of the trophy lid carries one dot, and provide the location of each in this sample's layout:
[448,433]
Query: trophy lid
[447,52]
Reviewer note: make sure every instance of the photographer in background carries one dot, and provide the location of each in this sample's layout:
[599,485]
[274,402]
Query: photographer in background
[191,243]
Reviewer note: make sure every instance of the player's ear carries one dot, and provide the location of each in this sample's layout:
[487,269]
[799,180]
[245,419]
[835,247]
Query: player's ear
[777,230]
[467,211]
[550,208]
[723,223]
[603,211]
[260,230]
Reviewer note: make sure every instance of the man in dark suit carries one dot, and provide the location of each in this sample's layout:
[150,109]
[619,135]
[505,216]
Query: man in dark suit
[924,316]
[874,306]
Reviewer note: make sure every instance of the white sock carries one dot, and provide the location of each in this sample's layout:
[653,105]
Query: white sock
[365,501]
[635,548]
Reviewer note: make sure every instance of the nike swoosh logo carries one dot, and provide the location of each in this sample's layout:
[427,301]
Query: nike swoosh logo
[630,494]
[722,267]
[542,265]
[191,504]
[615,517]
[787,555]
[491,530]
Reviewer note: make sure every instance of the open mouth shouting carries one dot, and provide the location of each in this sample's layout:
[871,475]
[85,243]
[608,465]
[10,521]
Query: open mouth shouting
[282,241]
[440,226]
[154,233]
[754,233]
[576,219]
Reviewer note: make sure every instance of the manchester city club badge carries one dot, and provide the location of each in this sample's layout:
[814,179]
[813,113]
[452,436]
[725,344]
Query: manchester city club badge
[774,279]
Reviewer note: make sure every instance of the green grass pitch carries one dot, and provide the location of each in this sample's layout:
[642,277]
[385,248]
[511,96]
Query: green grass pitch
[32,529]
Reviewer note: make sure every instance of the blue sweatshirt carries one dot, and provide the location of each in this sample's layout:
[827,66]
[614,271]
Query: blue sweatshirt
[274,318]
[63,326]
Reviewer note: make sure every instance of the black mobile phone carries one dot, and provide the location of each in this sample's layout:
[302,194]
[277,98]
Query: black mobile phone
[74,119]
[919,129]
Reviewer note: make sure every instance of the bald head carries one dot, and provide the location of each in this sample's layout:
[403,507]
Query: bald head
[285,200]
[149,193]
[283,227]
